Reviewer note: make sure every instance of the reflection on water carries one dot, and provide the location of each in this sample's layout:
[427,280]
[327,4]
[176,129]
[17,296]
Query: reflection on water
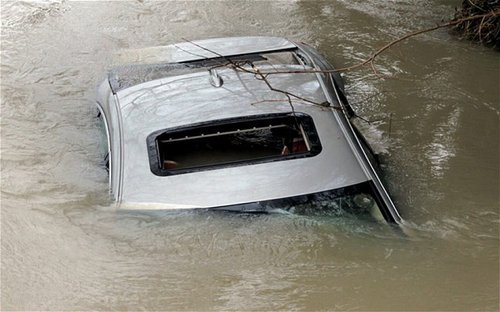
[65,247]
[442,149]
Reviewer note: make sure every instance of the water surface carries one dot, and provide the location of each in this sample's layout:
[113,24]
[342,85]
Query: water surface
[436,122]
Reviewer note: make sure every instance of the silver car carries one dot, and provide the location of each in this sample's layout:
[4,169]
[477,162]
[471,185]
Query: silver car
[246,123]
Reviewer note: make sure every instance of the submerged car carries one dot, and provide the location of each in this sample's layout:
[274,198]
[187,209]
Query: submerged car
[246,123]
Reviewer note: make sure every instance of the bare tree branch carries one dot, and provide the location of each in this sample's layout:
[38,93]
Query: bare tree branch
[263,75]
[371,59]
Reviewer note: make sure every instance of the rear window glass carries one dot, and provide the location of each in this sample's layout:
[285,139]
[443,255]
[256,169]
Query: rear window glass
[125,76]
[232,142]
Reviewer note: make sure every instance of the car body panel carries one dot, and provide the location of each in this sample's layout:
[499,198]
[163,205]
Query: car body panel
[136,111]
[190,99]
[201,49]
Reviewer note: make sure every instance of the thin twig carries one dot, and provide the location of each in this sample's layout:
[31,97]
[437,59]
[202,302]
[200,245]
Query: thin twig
[190,52]
[286,93]
[203,48]
[479,30]
[476,6]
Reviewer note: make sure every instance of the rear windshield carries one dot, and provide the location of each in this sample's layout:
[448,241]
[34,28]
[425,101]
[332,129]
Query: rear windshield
[122,77]
[232,142]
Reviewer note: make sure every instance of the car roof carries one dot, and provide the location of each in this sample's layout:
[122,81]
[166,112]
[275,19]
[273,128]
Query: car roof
[190,98]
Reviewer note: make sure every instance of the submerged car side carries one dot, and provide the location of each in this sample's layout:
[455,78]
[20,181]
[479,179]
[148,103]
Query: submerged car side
[195,126]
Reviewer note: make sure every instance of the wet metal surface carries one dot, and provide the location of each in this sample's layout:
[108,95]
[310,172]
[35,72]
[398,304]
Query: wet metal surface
[65,247]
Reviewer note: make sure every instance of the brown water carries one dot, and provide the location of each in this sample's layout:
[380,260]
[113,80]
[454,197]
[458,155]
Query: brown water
[65,247]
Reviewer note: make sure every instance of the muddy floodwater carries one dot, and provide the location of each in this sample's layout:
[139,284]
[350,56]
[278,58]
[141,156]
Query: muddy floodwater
[435,123]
